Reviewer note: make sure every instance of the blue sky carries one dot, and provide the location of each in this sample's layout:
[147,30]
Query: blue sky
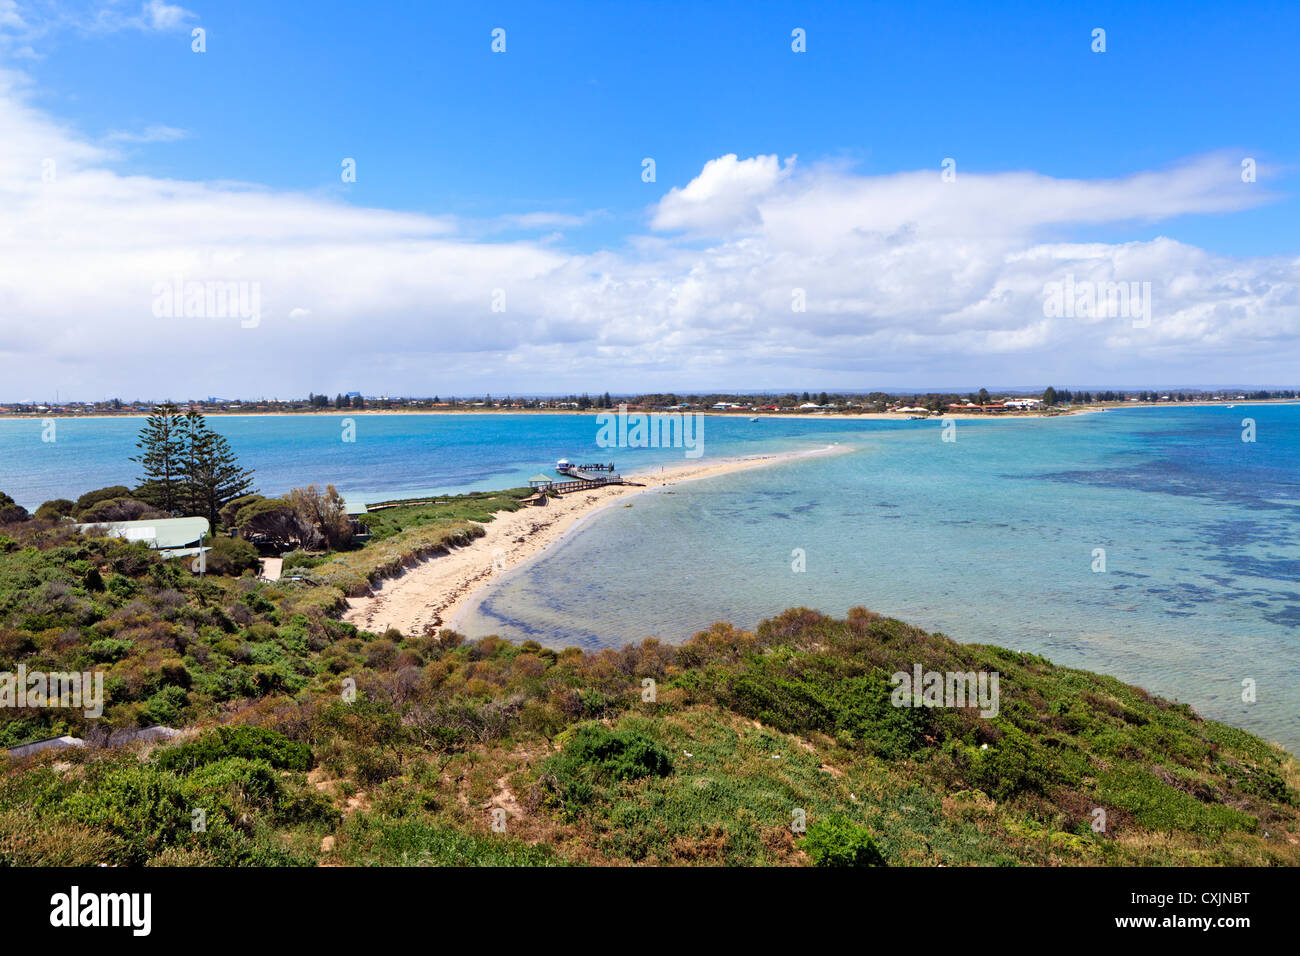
[584,92]
[557,128]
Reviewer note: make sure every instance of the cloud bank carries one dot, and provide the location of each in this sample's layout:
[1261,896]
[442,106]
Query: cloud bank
[759,272]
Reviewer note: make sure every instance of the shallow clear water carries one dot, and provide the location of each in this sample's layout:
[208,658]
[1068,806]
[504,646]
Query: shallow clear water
[989,538]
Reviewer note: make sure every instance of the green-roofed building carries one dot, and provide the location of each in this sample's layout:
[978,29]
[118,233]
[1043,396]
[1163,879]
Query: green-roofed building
[354,508]
[170,537]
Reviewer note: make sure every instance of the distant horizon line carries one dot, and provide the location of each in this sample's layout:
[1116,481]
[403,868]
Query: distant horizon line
[562,396]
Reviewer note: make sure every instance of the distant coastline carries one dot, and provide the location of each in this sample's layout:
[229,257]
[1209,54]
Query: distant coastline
[811,416]
[740,414]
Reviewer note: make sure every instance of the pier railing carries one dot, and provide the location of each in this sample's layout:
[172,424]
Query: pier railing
[581,484]
[604,473]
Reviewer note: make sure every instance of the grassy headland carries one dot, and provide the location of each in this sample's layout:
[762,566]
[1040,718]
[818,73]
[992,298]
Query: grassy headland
[289,767]
[401,536]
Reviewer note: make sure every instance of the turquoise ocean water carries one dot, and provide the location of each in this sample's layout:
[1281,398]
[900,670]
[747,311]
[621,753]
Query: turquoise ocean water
[990,538]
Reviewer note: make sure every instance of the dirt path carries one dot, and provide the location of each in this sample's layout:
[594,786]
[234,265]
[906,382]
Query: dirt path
[272,568]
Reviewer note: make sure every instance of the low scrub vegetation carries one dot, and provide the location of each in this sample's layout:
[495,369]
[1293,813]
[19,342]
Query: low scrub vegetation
[308,741]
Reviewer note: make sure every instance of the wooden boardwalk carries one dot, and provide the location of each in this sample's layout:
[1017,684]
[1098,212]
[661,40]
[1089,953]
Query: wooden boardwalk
[582,484]
[587,477]
[584,477]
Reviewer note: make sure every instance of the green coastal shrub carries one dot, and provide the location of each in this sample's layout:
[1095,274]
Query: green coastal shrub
[146,810]
[11,511]
[252,743]
[614,755]
[1155,804]
[596,758]
[835,841]
[854,709]
[1012,766]
[55,509]
[119,509]
[166,707]
[109,649]
[91,498]
[122,587]
[232,556]
[229,512]
[24,730]
[301,559]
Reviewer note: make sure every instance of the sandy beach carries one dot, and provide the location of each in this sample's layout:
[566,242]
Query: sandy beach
[434,592]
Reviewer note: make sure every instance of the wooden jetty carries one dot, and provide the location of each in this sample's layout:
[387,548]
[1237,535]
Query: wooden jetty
[581,478]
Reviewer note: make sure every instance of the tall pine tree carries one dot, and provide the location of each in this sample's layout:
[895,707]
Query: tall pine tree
[209,471]
[161,446]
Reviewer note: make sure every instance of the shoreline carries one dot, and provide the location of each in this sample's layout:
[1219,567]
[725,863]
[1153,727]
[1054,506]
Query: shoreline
[437,591]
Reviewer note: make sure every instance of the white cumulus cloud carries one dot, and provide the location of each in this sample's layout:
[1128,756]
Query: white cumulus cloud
[907,280]
[726,195]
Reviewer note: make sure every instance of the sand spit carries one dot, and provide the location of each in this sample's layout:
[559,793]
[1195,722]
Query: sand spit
[431,593]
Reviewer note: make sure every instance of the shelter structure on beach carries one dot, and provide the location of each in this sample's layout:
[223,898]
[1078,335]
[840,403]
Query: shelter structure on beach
[354,509]
[540,482]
